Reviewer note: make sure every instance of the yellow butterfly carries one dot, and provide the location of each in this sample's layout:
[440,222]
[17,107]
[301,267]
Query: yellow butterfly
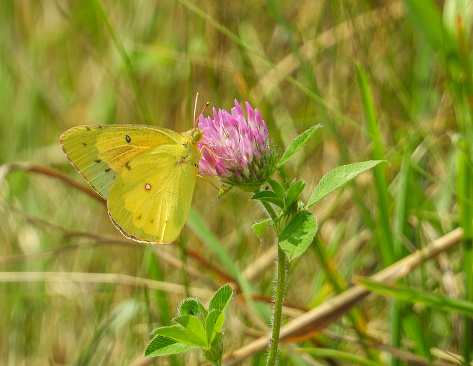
[147,175]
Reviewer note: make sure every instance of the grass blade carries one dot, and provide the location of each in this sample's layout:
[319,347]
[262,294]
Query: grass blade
[414,296]
[385,233]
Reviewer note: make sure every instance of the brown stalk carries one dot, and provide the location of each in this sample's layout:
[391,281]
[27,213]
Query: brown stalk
[7,168]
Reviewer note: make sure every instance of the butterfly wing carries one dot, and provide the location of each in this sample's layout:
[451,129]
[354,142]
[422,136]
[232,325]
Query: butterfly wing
[150,198]
[100,152]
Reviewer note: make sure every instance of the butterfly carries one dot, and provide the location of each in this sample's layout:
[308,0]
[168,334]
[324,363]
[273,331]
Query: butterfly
[147,175]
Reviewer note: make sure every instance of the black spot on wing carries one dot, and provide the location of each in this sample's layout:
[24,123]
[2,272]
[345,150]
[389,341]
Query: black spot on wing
[98,161]
[84,144]
[107,170]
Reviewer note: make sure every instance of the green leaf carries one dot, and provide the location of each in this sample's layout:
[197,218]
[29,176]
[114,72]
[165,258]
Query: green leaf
[414,296]
[297,144]
[193,326]
[192,307]
[163,346]
[298,234]
[293,193]
[277,188]
[270,197]
[338,177]
[221,299]
[213,324]
[183,335]
[259,227]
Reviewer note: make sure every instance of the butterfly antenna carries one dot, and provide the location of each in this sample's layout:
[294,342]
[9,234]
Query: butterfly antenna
[195,107]
[203,109]
[208,180]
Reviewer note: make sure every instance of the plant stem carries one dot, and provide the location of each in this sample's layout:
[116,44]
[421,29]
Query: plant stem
[280,287]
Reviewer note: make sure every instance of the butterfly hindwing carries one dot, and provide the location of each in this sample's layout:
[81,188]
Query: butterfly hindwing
[150,198]
[100,152]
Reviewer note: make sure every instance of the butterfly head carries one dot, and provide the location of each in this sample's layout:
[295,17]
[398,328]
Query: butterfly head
[195,134]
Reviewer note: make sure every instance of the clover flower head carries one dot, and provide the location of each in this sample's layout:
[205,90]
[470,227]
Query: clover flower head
[236,148]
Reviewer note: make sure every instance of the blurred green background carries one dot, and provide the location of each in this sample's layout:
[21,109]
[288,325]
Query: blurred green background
[73,291]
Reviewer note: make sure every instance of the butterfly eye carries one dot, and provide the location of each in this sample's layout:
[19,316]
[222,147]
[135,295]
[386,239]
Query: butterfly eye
[128,138]
[198,135]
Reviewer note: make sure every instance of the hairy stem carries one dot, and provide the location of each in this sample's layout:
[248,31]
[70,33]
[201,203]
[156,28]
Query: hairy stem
[280,287]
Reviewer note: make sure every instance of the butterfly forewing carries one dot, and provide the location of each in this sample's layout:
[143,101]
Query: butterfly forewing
[150,198]
[100,152]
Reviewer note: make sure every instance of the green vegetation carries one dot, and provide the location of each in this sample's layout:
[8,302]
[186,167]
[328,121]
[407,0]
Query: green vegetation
[387,81]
